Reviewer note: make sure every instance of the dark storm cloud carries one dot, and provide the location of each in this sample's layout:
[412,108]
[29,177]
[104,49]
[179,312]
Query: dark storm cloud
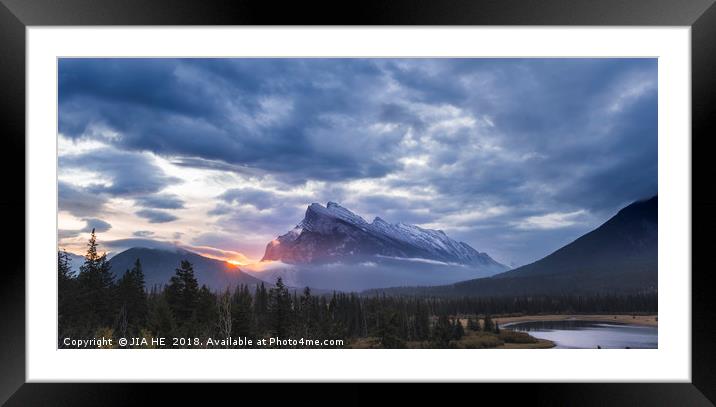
[553,118]
[259,113]
[156,216]
[128,173]
[394,113]
[78,201]
[98,225]
[202,163]
[517,139]
[221,111]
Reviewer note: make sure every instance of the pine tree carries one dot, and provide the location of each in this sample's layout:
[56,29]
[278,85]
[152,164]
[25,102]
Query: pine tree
[458,330]
[204,320]
[279,310]
[487,324]
[160,319]
[325,323]
[183,293]
[442,332]
[242,315]
[307,313]
[472,324]
[422,322]
[388,333]
[132,298]
[336,326]
[224,312]
[63,266]
[261,308]
[95,296]
[65,293]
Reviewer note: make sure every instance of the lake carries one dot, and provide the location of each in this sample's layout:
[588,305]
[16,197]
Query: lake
[579,334]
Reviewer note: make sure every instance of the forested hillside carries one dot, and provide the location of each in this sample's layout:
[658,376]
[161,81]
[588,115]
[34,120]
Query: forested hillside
[98,303]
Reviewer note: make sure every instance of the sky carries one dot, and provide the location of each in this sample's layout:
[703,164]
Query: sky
[516,157]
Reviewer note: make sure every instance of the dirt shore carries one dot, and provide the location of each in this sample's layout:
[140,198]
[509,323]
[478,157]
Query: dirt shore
[644,320]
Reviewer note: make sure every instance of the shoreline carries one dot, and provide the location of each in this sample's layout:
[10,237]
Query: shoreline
[641,320]
[540,344]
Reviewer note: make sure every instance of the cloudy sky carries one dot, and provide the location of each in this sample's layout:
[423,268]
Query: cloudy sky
[516,157]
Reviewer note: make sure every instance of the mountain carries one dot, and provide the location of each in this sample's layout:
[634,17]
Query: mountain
[333,248]
[334,233]
[159,266]
[620,256]
[75,262]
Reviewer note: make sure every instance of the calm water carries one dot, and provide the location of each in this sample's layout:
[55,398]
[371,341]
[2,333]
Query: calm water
[590,334]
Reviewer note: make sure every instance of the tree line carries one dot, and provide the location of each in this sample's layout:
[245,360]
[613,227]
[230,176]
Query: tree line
[97,303]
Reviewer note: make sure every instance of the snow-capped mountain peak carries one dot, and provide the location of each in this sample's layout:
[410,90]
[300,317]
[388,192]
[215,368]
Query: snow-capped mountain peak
[319,217]
[334,233]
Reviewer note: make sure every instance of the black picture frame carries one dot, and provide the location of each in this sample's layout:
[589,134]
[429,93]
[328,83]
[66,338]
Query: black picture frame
[16,15]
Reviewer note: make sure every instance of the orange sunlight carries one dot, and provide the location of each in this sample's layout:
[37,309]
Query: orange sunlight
[228,256]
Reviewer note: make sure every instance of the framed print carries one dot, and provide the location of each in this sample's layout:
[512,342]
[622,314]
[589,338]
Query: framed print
[434,195]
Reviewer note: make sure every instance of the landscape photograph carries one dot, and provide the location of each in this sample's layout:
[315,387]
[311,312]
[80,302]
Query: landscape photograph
[357,203]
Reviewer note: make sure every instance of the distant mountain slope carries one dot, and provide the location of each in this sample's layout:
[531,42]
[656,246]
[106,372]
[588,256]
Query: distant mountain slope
[333,233]
[160,265]
[620,256]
